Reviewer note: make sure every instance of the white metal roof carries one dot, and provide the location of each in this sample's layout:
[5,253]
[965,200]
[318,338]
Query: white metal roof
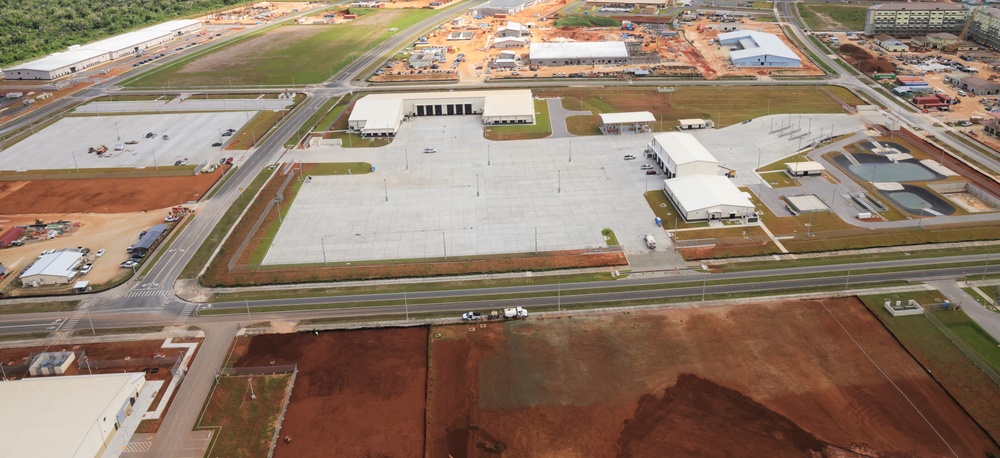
[628,117]
[380,111]
[59,264]
[513,26]
[766,44]
[508,103]
[701,192]
[127,40]
[507,3]
[575,50]
[683,148]
[691,122]
[52,416]
[510,40]
[807,166]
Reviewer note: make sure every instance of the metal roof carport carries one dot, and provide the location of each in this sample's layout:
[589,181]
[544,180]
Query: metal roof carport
[149,239]
[634,121]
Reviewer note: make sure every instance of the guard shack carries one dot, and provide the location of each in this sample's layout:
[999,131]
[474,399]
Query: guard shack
[804,169]
[634,122]
[688,124]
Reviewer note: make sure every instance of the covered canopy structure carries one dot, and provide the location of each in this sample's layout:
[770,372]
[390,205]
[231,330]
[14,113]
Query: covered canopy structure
[636,122]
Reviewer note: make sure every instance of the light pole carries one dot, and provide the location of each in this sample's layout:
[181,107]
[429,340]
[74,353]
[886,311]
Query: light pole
[704,281]
[250,382]
[920,221]
[92,331]
[406,156]
[74,161]
[153,152]
[559,182]
[987,266]
[3,372]
[571,150]
[809,232]
[406,306]
[477,185]
[385,185]
[117,132]
[249,316]
[323,245]
[847,283]
[559,296]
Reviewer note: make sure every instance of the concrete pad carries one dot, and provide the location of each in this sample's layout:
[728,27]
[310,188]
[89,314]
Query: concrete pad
[57,146]
[178,104]
[433,208]
[807,203]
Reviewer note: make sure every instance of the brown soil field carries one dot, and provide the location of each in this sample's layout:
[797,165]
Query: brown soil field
[862,60]
[97,352]
[357,393]
[104,195]
[814,378]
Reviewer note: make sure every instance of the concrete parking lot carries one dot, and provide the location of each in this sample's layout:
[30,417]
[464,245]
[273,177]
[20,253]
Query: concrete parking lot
[476,197]
[64,145]
[184,104]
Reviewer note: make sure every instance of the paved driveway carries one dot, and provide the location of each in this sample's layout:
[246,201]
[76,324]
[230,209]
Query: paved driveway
[558,115]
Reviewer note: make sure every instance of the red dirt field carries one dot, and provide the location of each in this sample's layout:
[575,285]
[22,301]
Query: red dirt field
[357,393]
[776,379]
[103,195]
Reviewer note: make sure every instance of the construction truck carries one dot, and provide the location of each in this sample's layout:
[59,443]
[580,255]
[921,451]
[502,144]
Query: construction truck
[730,173]
[510,313]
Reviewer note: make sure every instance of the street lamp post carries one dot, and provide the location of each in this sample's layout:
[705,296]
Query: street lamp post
[323,245]
[406,306]
[385,185]
[117,132]
[249,316]
[704,282]
[74,161]
[250,382]
[987,266]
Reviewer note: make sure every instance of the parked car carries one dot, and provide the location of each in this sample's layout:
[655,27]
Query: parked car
[166,137]
[86,268]
[171,219]
[651,172]
[646,167]
[962,93]
[177,164]
[184,161]
[471,316]
[128,249]
[216,145]
[430,150]
[629,157]
[128,264]
[99,253]
[229,161]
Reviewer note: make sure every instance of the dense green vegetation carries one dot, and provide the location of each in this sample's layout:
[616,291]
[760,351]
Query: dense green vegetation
[586,21]
[29,29]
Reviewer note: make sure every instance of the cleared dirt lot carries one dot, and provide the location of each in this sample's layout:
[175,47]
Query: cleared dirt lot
[357,393]
[772,379]
[815,378]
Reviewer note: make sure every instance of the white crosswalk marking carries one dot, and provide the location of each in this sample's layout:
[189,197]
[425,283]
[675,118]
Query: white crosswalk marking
[138,447]
[72,320]
[147,293]
[185,314]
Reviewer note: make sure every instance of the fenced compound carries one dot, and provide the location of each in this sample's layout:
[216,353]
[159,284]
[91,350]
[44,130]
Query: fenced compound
[85,363]
[964,348]
[259,370]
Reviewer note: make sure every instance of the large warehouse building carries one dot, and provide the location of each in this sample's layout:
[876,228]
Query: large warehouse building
[920,18]
[79,58]
[758,49]
[71,416]
[707,197]
[379,115]
[680,154]
[504,7]
[579,53]
[53,269]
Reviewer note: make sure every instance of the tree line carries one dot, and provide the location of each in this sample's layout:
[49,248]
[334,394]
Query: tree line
[33,28]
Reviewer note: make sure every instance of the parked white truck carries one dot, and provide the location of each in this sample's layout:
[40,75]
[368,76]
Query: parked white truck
[650,242]
[511,313]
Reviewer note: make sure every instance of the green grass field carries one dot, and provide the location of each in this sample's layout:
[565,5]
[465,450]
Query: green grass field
[244,426]
[540,129]
[287,54]
[945,362]
[586,21]
[707,102]
[825,17]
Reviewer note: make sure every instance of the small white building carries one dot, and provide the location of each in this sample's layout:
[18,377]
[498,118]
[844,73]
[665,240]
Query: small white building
[758,49]
[53,269]
[506,59]
[637,122]
[688,124]
[512,29]
[71,416]
[379,115]
[509,42]
[680,154]
[804,169]
[708,197]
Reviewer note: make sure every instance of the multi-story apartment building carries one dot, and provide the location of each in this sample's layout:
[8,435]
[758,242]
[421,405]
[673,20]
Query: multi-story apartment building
[985,28]
[910,19]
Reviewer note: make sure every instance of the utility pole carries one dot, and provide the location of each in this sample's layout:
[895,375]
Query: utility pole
[250,382]
[987,266]
[559,296]
[323,245]
[92,331]
[406,306]
[249,316]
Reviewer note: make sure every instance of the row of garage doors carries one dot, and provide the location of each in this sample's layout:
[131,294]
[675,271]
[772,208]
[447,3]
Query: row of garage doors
[441,110]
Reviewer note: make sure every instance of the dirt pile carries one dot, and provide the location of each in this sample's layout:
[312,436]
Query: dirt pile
[663,426]
[863,61]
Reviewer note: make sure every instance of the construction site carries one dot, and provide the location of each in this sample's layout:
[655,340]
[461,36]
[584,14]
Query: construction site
[474,47]
[257,13]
